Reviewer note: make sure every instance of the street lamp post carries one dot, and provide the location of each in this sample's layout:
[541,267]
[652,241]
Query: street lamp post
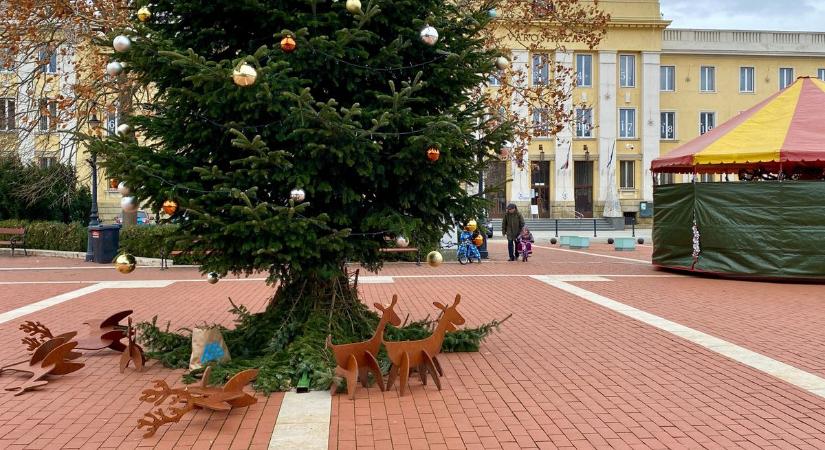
[94,220]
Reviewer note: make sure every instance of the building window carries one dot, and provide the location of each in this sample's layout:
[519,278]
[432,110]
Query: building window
[664,178]
[627,123]
[541,122]
[707,79]
[48,115]
[820,74]
[746,76]
[584,122]
[668,130]
[584,70]
[667,81]
[6,60]
[543,8]
[496,77]
[627,71]
[541,69]
[7,114]
[628,172]
[48,61]
[785,77]
[707,121]
[46,161]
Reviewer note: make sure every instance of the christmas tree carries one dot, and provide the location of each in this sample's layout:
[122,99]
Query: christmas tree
[297,137]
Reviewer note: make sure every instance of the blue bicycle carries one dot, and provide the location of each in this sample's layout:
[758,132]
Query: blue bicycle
[467,251]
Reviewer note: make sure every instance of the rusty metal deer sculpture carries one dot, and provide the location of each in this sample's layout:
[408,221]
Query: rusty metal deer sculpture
[356,360]
[410,354]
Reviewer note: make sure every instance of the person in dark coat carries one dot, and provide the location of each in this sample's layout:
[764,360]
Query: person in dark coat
[511,227]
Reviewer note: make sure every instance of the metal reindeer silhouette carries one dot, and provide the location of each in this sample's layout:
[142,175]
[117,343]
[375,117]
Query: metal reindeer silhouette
[52,357]
[421,353]
[356,360]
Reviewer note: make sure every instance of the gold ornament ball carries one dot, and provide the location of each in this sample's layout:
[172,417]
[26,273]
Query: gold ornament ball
[288,44]
[144,14]
[354,6]
[434,259]
[244,75]
[433,154]
[429,35]
[125,263]
[472,225]
[212,277]
[478,241]
[170,207]
[123,129]
[502,63]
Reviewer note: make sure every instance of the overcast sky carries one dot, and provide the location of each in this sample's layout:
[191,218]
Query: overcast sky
[780,15]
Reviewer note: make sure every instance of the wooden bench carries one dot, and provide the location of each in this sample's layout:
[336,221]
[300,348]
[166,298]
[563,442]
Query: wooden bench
[404,250]
[17,239]
[164,264]
[624,244]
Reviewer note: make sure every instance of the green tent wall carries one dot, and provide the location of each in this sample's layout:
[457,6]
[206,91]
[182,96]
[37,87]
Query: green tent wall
[761,229]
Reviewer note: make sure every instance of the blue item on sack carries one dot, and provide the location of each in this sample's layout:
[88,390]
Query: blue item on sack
[212,352]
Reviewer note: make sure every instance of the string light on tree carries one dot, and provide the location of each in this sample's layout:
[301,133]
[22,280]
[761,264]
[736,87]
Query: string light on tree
[433,153]
[244,75]
[129,204]
[212,277]
[125,263]
[170,207]
[354,6]
[114,68]
[297,195]
[122,44]
[429,35]
[288,44]
[144,14]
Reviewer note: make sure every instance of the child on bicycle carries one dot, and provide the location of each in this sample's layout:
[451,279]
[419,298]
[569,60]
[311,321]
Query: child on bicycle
[466,244]
[524,243]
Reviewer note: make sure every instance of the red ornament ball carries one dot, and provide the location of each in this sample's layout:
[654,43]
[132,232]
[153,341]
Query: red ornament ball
[433,154]
[288,44]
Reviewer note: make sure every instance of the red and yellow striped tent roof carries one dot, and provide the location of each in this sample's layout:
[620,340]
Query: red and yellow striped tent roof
[788,128]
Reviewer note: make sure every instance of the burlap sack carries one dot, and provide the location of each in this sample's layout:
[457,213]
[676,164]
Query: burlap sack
[207,346]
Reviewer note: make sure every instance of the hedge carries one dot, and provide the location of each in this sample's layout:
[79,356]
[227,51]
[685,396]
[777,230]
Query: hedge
[69,237]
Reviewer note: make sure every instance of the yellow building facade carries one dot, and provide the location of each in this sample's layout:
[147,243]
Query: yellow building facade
[645,90]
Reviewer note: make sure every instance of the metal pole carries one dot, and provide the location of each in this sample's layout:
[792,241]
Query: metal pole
[633,227]
[483,252]
[594,228]
[557,227]
[94,220]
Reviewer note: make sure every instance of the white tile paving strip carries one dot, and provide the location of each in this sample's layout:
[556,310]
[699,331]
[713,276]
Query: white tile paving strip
[58,299]
[303,422]
[622,258]
[785,372]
